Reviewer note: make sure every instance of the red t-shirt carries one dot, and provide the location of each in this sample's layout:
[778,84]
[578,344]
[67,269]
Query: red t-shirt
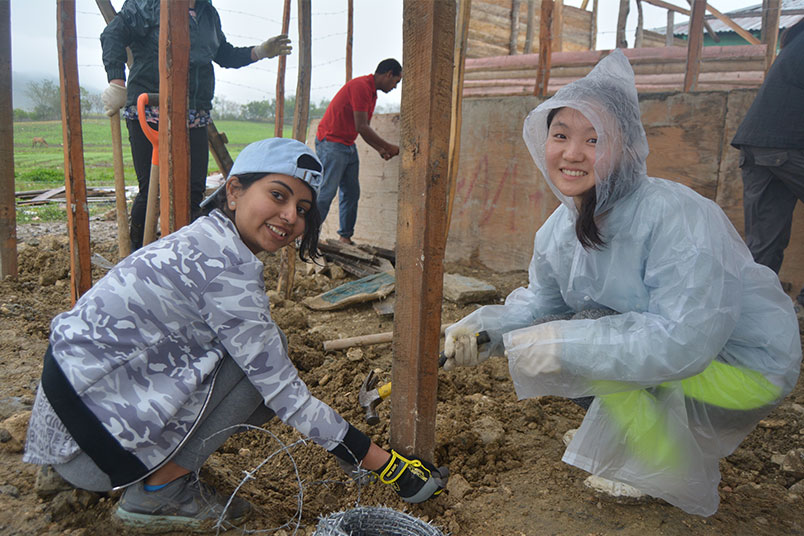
[338,124]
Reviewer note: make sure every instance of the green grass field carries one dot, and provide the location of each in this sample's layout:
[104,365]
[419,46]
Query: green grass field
[40,168]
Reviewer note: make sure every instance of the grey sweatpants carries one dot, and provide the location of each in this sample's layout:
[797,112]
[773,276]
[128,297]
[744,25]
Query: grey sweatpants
[234,400]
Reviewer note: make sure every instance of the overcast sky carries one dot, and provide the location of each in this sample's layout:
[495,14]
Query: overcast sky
[377,35]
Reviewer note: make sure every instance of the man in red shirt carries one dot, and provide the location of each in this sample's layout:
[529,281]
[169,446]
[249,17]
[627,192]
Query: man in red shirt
[348,115]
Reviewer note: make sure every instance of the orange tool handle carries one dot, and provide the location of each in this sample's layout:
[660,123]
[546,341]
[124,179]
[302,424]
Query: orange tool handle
[144,100]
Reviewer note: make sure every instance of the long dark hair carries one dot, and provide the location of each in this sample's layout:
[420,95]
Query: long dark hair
[308,245]
[586,228]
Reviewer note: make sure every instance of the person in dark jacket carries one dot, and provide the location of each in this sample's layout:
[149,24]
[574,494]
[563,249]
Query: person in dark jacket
[136,26]
[771,143]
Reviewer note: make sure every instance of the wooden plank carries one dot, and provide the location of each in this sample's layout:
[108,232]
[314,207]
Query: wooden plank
[557,30]
[668,6]
[770,29]
[74,178]
[529,28]
[622,19]
[217,146]
[428,49]
[8,213]
[350,16]
[669,36]
[512,41]
[695,44]
[463,16]
[734,26]
[174,136]
[545,48]
[712,35]
[592,26]
[279,114]
[640,18]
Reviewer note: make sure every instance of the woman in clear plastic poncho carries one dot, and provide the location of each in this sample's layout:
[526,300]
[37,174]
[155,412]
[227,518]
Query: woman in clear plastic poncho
[702,342]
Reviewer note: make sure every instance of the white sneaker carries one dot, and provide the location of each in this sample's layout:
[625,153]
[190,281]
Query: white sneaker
[568,435]
[619,491]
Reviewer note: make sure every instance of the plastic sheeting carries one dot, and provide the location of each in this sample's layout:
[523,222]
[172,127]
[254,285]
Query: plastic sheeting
[704,342]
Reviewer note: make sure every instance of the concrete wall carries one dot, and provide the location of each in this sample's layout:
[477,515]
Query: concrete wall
[501,198]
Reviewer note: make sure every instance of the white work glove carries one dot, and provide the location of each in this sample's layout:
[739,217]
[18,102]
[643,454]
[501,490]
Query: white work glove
[113,98]
[275,46]
[460,348]
[536,349]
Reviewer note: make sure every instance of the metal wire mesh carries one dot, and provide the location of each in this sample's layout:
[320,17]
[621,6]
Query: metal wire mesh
[374,521]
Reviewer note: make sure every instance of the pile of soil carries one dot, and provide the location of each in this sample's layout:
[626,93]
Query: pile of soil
[503,454]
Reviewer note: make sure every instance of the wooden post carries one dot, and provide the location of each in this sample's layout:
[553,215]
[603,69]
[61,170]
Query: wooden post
[529,27]
[622,19]
[669,36]
[770,29]
[350,23]
[640,20]
[8,212]
[557,29]
[593,27]
[301,113]
[694,45]
[428,30]
[174,136]
[279,112]
[217,146]
[545,48]
[514,36]
[74,179]
[461,38]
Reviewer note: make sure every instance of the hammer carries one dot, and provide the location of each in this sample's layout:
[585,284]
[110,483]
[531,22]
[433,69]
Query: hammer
[370,395]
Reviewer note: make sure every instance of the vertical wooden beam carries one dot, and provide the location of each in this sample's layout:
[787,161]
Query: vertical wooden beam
[694,45]
[593,27]
[640,20]
[428,30]
[622,19]
[301,113]
[8,213]
[669,36]
[514,36]
[350,23]
[557,30]
[279,112]
[545,48]
[74,178]
[174,136]
[529,27]
[771,11]
[461,39]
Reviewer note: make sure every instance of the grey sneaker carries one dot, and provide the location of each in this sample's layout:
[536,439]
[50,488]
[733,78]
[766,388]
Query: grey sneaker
[184,504]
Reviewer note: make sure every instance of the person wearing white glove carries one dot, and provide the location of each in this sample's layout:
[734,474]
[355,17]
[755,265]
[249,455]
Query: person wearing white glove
[276,46]
[136,27]
[114,97]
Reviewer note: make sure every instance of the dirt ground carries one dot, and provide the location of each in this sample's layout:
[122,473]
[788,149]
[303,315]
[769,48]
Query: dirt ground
[504,455]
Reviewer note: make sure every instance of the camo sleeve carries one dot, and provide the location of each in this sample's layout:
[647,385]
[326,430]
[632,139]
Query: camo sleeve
[235,306]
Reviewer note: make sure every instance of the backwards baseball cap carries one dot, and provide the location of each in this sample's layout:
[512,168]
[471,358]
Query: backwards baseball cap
[280,155]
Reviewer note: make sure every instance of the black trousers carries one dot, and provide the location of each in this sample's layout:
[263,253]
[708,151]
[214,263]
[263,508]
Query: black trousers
[773,183]
[141,151]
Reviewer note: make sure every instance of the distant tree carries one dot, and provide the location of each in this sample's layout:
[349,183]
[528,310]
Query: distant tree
[225,109]
[259,110]
[21,115]
[46,99]
[91,103]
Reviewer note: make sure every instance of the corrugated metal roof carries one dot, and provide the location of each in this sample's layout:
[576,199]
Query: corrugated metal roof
[749,18]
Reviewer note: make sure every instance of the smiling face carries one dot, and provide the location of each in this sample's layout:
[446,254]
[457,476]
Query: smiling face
[269,213]
[570,153]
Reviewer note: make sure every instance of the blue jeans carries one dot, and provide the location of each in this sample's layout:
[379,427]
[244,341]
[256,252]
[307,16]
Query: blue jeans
[341,169]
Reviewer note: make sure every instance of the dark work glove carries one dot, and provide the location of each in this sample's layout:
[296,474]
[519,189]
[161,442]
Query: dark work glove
[413,480]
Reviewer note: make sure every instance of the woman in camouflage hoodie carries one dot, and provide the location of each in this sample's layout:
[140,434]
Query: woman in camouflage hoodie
[154,366]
